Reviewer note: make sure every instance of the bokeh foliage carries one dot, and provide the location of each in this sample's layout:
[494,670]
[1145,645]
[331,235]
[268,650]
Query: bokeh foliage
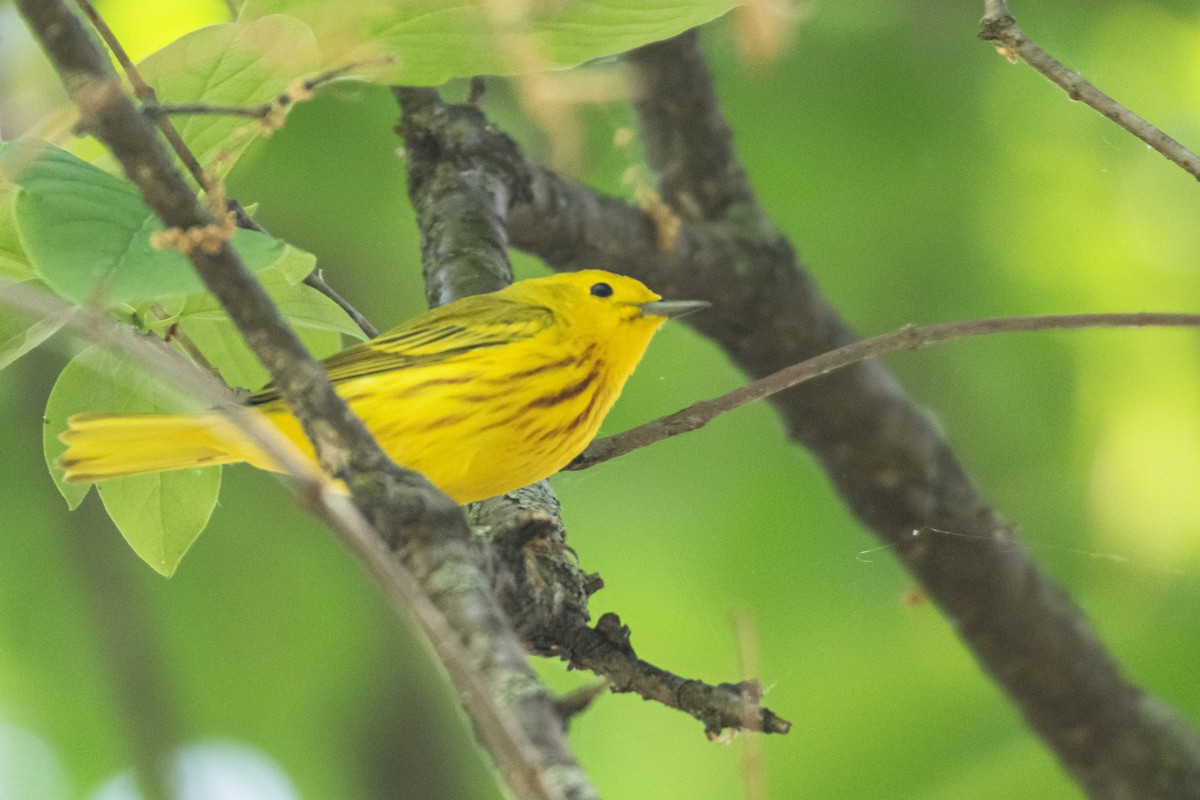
[922,178]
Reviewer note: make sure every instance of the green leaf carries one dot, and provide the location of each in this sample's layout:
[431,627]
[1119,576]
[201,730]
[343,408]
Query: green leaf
[318,320]
[232,64]
[433,41]
[302,305]
[159,515]
[22,331]
[222,345]
[293,265]
[162,514]
[306,308]
[87,233]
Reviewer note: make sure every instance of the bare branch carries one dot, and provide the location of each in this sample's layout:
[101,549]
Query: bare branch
[143,91]
[700,414]
[999,26]
[606,651]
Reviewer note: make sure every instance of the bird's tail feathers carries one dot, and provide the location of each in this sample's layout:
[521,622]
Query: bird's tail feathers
[103,446]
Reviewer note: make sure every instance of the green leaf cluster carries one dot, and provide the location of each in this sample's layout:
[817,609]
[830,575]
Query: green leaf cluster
[85,235]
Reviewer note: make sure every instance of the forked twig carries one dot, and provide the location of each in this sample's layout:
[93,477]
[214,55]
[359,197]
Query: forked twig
[149,99]
[998,25]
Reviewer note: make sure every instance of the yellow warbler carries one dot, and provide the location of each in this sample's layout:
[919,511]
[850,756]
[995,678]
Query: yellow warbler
[482,396]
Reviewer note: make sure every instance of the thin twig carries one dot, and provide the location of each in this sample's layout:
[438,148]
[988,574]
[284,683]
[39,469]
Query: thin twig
[144,92]
[163,110]
[316,279]
[907,338]
[297,91]
[998,25]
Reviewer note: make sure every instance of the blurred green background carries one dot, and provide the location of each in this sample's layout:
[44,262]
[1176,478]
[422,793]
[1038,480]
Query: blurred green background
[922,178]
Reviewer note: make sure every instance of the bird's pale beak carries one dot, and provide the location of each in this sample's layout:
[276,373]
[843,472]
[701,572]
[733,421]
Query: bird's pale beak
[673,308]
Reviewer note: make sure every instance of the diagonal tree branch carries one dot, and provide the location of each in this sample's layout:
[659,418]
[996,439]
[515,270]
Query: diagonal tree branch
[462,178]
[520,729]
[883,454]
[999,26]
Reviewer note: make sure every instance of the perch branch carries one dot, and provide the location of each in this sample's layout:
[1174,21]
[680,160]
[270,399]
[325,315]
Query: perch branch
[700,414]
[463,177]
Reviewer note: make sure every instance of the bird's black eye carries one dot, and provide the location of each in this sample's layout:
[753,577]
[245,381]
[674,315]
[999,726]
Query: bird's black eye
[601,290]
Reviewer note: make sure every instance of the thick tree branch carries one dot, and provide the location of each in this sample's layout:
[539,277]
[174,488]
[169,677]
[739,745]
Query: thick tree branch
[698,173]
[999,26]
[520,729]
[463,177]
[464,250]
[883,454]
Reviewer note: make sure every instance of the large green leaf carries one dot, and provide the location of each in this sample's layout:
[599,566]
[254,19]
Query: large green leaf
[232,64]
[433,41]
[87,233]
[159,515]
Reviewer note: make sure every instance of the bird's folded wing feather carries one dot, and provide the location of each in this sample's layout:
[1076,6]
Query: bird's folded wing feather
[435,337]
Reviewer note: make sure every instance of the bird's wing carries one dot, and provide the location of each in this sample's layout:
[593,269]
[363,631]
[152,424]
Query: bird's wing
[434,337]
